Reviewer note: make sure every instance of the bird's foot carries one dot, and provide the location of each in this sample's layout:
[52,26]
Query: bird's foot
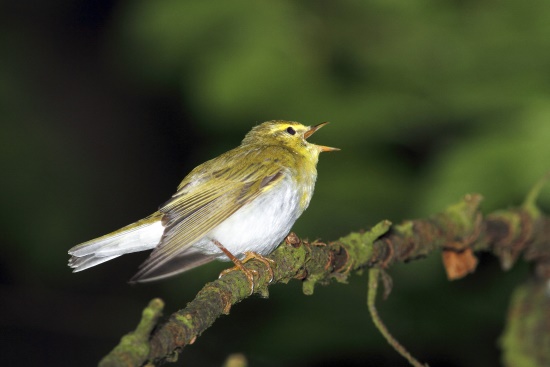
[265,260]
[249,273]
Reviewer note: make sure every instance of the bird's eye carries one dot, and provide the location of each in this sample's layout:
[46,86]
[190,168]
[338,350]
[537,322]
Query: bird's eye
[290,130]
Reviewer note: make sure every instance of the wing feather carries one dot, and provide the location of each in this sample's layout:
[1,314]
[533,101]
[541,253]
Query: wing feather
[206,200]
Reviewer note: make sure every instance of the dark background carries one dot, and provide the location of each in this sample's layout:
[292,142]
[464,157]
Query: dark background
[106,105]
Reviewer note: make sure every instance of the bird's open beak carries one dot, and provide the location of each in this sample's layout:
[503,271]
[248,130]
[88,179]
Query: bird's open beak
[312,130]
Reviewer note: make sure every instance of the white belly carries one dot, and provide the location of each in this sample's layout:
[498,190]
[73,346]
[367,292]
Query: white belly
[258,226]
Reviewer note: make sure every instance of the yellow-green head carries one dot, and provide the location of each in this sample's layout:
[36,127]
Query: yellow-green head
[289,134]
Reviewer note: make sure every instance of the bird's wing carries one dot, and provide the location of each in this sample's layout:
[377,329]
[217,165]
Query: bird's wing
[205,200]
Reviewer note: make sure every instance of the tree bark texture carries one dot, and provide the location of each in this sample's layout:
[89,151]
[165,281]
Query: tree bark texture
[458,232]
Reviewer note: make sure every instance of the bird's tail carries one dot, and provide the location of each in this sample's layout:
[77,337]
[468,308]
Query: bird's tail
[140,236]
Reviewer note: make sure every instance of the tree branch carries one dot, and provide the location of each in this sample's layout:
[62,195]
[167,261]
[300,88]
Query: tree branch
[458,231]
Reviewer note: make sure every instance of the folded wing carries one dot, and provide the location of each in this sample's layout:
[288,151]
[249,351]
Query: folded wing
[205,199]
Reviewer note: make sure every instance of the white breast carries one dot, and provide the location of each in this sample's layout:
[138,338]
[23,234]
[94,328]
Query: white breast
[258,226]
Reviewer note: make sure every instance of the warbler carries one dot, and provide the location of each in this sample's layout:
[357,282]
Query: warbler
[239,205]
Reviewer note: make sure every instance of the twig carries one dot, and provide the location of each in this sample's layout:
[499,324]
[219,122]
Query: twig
[371,303]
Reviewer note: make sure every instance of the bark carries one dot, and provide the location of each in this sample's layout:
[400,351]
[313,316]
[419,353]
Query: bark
[458,232]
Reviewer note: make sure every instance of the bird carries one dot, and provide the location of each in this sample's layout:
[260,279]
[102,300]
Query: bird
[237,206]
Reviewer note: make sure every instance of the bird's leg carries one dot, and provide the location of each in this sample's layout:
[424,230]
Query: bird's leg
[238,265]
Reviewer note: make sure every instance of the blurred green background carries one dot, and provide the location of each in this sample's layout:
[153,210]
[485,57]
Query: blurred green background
[106,105]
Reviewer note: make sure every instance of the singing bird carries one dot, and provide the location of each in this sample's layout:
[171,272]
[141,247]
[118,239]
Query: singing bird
[239,205]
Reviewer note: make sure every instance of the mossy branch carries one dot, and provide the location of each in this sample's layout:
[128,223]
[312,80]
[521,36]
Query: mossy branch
[457,232]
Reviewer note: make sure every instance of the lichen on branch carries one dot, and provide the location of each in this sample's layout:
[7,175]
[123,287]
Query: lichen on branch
[456,232]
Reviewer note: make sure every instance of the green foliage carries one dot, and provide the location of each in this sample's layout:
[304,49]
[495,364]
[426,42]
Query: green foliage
[527,336]
[461,84]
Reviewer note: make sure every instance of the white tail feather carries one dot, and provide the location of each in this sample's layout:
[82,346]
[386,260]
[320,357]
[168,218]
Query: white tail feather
[139,238]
